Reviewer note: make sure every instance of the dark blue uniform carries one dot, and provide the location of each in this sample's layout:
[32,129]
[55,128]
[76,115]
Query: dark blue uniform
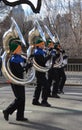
[42,83]
[53,75]
[18,90]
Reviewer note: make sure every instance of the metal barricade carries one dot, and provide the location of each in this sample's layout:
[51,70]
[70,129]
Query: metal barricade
[74,67]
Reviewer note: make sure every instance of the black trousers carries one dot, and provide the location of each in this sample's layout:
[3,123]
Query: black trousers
[62,78]
[53,77]
[19,102]
[42,86]
[19,92]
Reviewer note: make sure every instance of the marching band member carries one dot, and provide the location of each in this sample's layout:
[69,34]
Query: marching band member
[17,69]
[59,73]
[62,75]
[53,73]
[42,83]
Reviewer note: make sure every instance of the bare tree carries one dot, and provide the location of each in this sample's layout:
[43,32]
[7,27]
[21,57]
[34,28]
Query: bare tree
[75,22]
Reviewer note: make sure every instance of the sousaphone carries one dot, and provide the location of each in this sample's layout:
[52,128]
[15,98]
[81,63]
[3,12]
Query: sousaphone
[14,32]
[54,38]
[33,34]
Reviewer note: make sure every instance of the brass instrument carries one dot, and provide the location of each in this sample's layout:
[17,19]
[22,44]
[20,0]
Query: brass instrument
[14,32]
[32,36]
[49,35]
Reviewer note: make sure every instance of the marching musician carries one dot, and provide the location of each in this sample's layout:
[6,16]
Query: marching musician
[58,73]
[17,68]
[53,72]
[62,75]
[42,83]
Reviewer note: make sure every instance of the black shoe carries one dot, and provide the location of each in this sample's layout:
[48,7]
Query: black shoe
[55,96]
[6,115]
[45,104]
[36,103]
[22,119]
[60,92]
[49,95]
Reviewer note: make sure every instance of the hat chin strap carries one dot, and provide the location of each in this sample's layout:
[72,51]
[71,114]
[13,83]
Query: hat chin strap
[17,49]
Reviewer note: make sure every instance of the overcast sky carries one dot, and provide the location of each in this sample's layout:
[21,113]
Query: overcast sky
[61,4]
[33,1]
[27,8]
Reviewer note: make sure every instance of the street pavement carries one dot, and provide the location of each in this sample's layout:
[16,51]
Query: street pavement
[64,114]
